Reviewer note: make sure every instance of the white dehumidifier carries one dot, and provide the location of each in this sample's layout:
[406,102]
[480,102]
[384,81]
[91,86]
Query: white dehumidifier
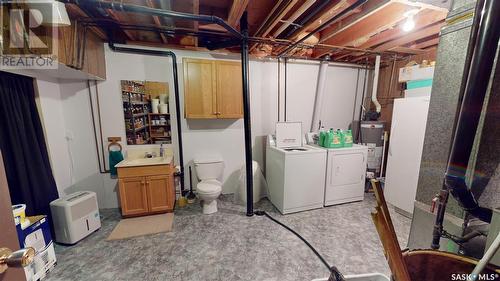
[75,216]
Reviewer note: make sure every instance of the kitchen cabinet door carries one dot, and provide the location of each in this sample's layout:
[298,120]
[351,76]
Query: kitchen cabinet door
[229,90]
[133,196]
[200,100]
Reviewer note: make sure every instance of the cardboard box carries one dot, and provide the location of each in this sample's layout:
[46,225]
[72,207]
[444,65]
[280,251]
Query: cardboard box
[415,72]
[44,261]
[37,235]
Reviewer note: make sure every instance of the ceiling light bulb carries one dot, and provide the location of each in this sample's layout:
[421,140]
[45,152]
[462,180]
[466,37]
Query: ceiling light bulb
[409,24]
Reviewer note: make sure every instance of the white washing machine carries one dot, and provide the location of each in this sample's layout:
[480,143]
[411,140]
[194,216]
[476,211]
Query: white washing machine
[345,174]
[295,172]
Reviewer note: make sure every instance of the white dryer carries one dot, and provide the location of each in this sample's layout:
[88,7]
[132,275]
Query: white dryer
[295,172]
[345,174]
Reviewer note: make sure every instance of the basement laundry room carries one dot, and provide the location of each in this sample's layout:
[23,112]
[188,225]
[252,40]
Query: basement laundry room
[251,140]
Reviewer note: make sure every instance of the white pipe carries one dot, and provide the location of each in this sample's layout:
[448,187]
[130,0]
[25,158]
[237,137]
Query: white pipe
[375,84]
[486,258]
[320,86]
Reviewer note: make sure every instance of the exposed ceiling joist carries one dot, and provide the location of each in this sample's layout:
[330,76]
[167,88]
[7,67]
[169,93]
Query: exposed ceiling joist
[116,16]
[329,13]
[407,50]
[279,4]
[157,21]
[306,5]
[426,44]
[278,17]
[368,8]
[372,24]
[237,9]
[419,34]
[78,11]
[422,19]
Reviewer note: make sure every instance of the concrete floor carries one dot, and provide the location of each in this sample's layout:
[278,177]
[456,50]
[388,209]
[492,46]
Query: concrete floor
[230,246]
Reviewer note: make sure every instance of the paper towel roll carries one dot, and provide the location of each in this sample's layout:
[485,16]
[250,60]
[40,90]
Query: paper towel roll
[154,105]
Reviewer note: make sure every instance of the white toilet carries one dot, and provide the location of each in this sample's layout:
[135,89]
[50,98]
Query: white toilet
[209,188]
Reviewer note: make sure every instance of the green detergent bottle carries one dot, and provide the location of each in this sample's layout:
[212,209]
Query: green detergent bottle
[328,138]
[347,138]
[322,136]
[336,139]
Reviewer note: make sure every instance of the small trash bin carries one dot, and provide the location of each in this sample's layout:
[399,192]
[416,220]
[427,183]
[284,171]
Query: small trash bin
[259,185]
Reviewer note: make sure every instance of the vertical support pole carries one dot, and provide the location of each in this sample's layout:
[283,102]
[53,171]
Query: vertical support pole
[246,113]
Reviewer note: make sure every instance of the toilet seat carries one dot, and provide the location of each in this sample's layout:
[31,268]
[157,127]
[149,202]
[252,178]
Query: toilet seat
[209,187]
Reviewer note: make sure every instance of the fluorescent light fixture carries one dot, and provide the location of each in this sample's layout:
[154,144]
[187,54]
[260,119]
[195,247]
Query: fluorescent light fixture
[49,12]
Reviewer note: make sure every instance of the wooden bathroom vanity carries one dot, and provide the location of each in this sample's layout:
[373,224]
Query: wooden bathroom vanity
[146,186]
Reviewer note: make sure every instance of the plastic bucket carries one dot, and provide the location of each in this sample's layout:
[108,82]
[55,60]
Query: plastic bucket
[19,212]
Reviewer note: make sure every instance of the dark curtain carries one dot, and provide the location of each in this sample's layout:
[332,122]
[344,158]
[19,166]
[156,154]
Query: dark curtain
[23,146]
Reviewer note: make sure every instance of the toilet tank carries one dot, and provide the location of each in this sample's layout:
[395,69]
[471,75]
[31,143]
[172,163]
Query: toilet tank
[208,168]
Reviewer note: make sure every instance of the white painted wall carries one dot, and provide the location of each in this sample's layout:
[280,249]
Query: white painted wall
[66,113]
[51,110]
[342,86]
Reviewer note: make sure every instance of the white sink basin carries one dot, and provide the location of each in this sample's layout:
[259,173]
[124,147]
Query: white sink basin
[144,162]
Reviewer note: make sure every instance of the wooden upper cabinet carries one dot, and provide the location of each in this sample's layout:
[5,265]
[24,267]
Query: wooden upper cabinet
[229,90]
[212,89]
[87,56]
[199,89]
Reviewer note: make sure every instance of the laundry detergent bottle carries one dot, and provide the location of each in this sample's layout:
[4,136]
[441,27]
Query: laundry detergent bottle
[322,136]
[347,138]
[328,138]
[336,139]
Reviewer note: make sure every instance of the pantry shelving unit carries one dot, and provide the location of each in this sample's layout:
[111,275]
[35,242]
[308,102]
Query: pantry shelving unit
[159,127]
[135,109]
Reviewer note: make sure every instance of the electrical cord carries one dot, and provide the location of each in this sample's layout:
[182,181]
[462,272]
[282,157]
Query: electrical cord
[335,274]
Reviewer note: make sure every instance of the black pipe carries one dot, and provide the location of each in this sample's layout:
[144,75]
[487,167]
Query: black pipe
[322,26]
[474,93]
[155,12]
[104,23]
[176,93]
[246,113]
[306,18]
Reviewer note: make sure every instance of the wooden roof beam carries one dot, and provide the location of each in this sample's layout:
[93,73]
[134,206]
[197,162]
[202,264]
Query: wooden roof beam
[237,9]
[306,5]
[157,22]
